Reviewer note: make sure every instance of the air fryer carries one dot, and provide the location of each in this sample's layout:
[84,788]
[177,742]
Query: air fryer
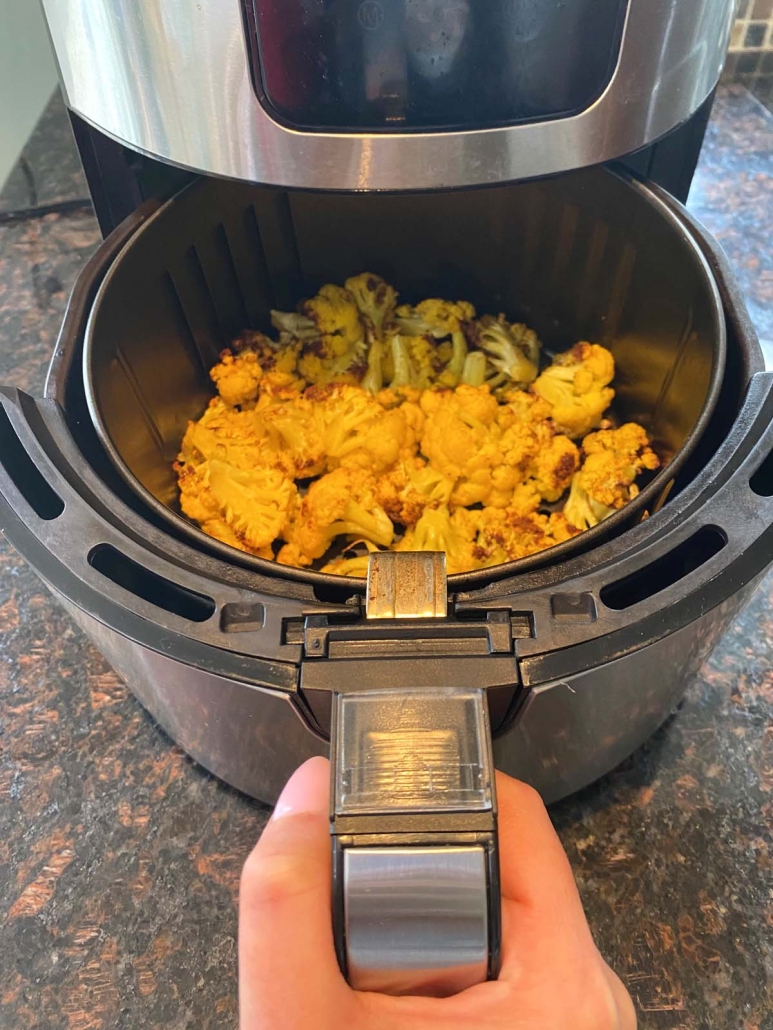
[239,155]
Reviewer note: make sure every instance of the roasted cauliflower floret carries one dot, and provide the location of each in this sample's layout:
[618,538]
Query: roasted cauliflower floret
[220,530]
[460,439]
[470,402]
[358,432]
[329,334]
[255,504]
[410,363]
[278,385]
[464,440]
[341,503]
[415,363]
[518,406]
[626,450]
[513,350]
[296,429]
[337,317]
[237,378]
[452,373]
[293,326]
[582,510]
[331,315]
[411,487]
[607,479]
[526,457]
[279,356]
[351,562]
[239,438]
[291,554]
[506,535]
[553,466]
[520,445]
[475,370]
[321,371]
[525,498]
[375,299]
[531,458]
[440,530]
[577,387]
[356,566]
[196,499]
[439,320]
[373,380]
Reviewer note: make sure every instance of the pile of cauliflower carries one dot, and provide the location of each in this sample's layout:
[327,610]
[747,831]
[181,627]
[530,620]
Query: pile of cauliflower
[368,425]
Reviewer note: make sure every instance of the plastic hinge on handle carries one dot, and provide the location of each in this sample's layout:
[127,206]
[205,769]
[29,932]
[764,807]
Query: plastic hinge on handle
[413,816]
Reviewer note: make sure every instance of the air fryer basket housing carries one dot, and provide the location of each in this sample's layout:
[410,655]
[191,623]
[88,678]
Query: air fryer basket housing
[587,256]
[581,659]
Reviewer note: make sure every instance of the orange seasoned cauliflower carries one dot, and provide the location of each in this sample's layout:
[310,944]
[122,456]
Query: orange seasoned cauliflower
[295,427]
[255,504]
[409,488]
[358,432]
[506,535]
[240,438]
[512,350]
[376,301]
[362,416]
[438,529]
[341,503]
[607,479]
[577,387]
[237,377]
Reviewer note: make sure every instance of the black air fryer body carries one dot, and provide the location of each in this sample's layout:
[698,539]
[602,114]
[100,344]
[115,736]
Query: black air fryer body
[530,157]
[583,657]
[583,650]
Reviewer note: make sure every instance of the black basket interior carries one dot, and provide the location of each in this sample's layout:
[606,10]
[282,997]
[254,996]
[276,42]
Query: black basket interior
[584,256]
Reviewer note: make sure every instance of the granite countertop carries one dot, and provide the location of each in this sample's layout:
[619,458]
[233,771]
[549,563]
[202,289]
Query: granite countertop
[120,857]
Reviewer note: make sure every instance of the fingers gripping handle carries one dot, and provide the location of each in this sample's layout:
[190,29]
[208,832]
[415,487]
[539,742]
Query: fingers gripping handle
[413,819]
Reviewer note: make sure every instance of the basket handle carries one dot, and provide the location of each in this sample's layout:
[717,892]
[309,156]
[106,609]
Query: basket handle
[413,815]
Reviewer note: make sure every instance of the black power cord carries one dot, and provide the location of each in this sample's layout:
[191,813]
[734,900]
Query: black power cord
[63,207]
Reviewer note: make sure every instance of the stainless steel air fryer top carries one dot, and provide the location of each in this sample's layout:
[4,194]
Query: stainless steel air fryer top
[388,94]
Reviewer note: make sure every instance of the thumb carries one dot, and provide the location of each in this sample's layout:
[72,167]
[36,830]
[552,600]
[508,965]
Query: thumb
[288,972]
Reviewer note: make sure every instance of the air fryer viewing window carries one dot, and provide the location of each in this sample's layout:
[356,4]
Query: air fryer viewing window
[442,64]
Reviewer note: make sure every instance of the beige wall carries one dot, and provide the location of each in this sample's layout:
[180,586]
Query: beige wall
[27,76]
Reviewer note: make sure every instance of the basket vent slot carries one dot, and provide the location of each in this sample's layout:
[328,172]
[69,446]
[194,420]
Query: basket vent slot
[26,477]
[666,571]
[151,587]
[762,480]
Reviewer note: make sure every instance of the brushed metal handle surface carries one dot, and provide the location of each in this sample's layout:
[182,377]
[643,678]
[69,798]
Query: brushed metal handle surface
[416,915]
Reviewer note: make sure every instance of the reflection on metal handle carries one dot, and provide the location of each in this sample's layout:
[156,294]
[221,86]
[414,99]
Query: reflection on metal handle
[413,815]
[416,918]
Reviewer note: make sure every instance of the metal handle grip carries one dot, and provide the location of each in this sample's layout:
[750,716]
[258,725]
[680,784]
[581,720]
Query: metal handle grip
[413,815]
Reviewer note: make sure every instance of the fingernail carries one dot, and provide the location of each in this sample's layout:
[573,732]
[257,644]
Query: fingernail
[307,790]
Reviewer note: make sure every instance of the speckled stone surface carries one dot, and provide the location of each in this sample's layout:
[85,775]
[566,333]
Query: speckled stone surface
[732,195]
[120,858]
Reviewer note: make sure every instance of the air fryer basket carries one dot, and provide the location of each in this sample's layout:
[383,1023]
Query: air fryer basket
[591,255]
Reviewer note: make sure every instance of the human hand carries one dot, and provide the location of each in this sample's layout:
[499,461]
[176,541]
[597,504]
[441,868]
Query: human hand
[552,978]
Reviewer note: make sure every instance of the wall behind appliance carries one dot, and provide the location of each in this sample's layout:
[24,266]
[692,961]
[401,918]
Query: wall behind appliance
[751,42]
[27,76]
